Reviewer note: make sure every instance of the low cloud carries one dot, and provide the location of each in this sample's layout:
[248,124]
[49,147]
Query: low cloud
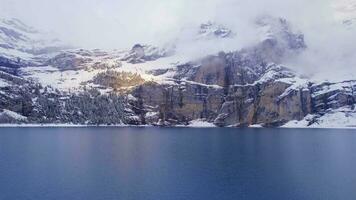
[117,24]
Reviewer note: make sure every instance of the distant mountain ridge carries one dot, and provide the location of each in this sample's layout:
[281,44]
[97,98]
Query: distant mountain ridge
[44,82]
[22,43]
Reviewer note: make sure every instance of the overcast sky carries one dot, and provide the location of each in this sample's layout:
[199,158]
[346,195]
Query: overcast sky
[118,23]
[122,23]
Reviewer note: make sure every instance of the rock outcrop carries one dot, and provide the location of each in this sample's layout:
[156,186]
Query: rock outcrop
[142,53]
[177,104]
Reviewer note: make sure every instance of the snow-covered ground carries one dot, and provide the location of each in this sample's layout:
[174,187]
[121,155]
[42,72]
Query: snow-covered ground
[69,80]
[340,118]
[12,115]
[3,83]
[199,123]
[74,79]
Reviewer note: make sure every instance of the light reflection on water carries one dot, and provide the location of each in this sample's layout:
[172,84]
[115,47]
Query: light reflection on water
[178,163]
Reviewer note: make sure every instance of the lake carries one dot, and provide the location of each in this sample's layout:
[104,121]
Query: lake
[177,164]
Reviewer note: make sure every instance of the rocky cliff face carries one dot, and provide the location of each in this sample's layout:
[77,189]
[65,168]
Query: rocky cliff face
[177,103]
[148,85]
[272,99]
[241,88]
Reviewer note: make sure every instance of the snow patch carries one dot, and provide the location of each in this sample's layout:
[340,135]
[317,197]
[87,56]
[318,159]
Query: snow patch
[344,117]
[13,115]
[200,123]
[256,126]
[3,83]
[296,84]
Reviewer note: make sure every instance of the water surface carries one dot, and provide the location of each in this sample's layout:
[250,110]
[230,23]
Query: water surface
[177,164]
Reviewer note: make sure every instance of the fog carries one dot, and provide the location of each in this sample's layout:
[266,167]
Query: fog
[121,23]
[117,24]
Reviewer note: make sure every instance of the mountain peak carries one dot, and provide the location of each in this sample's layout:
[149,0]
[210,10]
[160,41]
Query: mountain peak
[278,30]
[213,30]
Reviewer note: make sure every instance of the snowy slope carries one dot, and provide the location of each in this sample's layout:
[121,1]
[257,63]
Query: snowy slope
[72,69]
[344,117]
[25,45]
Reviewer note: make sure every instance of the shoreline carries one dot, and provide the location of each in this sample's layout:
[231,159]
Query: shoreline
[147,126]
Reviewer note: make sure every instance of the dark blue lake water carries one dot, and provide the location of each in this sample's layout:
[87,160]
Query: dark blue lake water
[178,163]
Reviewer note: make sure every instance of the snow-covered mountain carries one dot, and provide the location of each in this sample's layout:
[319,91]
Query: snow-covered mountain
[42,82]
[17,36]
[213,30]
[22,45]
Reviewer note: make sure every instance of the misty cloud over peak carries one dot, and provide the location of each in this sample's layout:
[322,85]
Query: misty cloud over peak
[328,26]
[104,23]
